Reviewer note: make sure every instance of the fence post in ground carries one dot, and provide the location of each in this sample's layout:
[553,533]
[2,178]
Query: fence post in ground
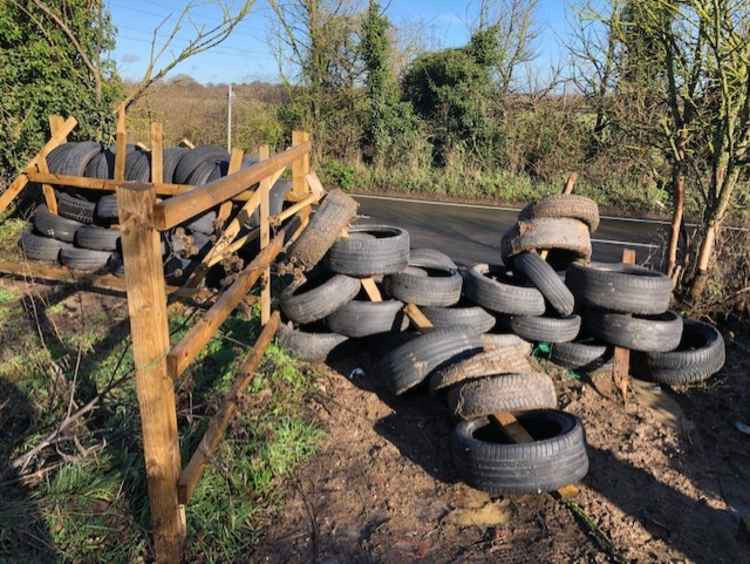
[149,331]
[264,152]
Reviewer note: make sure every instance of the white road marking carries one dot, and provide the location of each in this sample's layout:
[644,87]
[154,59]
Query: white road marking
[510,209]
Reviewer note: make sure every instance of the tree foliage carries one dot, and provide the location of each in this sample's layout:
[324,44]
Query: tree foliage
[43,72]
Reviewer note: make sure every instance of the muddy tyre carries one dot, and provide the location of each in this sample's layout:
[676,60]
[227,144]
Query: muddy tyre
[429,286]
[409,364]
[546,329]
[52,225]
[36,247]
[331,217]
[586,355]
[474,318]
[546,233]
[489,462]
[312,347]
[500,360]
[651,333]
[546,280]
[494,288]
[386,253]
[362,318]
[620,287]
[507,392]
[700,354]
[571,206]
[315,299]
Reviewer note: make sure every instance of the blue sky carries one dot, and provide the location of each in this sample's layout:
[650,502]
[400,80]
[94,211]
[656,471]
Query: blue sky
[246,56]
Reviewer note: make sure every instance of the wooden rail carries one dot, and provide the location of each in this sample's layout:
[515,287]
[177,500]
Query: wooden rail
[189,204]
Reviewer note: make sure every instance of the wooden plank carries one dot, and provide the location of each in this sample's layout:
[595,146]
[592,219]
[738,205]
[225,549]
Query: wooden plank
[416,316]
[217,426]
[264,152]
[184,352]
[315,185]
[50,198]
[372,290]
[157,153]
[184,206]
[22,179]
[187,143]
[235,164]
[149,330]
[300,168]
[143,147]
[621,358]
[56,123]
[121,145]
[235,246]
[279,218]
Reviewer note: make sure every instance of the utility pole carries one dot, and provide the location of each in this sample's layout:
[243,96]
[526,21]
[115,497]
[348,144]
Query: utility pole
[229,118]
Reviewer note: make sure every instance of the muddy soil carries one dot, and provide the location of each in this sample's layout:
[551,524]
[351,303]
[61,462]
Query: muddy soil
[669,479]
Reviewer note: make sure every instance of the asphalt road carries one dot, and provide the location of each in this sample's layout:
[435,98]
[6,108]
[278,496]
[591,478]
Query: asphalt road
[471,233]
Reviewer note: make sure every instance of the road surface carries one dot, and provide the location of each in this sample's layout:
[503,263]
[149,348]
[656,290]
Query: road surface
[470,233]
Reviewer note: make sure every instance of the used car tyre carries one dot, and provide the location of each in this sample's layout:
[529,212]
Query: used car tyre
[651,333]
[386,253]
[75,208]
[501,392]
[317,297]
[98,238]
[499,360]
[546,329]
[586,355]
[620,287]
[55,226]
[472,317]
[409,364]
[427,286]
[331,217]
[362,318]
[488,461]
[546,280]
[548,233]
[313,347]
[40,248]
[700,354]
[494,287]
[564,205]
[84,259]
[430,258]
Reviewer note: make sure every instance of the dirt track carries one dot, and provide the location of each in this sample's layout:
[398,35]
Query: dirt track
[664,472]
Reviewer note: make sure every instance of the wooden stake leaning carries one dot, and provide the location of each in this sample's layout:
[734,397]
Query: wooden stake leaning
[621,359]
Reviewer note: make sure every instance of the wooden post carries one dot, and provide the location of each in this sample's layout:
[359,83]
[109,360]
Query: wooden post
[300,169]
[147,306]
[235,163]
[56,123]
[621,360]
[264,152]
[121,144]
[157,153]
[372,290]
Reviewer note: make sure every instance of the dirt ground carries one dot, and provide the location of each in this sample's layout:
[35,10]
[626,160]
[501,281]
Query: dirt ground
[668,482]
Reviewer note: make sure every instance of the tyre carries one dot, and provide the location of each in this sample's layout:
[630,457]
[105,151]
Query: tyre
[620,287]
[546,329]
[36,247]
[56,157]
[501,340]
[507,392]
[177,270]
[98,238]
[308,346]
[544,278]
[387,253]
[503,360]
[194,158]
[495,288]
[171,159]
[316,298]
[651,333]
[700,354]
[106,208]
[77,209]
[546,233]
[564,205]
[102,165]
[409,364]
[473,318]
[204,223]
[430,286]
[52,225]
[362,318]
[585,355]
[430,258]
[331,217]
[84,259]
[488,461]
[275,201]
[71,159]
[138,166]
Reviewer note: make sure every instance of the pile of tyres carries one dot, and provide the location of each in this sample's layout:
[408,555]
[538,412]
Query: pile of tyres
[84,234]
[486,319]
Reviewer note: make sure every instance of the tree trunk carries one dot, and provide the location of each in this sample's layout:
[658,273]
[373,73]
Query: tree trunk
[678,186]
[704,262]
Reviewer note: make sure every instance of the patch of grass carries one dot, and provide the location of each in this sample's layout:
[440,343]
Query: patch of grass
[8,296]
